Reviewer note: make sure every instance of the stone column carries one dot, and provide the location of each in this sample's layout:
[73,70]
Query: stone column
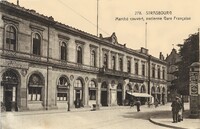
[22,102]
[117,62]
[113,95]
[71,95]
[109,94]
[85,91]
[99,93]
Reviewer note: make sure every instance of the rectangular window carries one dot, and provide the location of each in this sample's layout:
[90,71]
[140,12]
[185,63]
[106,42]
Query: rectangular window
[143,69]
[129,66]
[158,73]
[61,96]
[136,68]
[153,71]
[163,73]
[34,94]
[36,47]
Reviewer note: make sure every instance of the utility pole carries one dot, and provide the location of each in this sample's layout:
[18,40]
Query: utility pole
[97,18]
[146,35]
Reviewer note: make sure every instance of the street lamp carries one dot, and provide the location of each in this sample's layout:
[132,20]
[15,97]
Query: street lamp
[68,97]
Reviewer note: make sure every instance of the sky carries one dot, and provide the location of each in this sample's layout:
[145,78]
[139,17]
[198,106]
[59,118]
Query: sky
[159,34]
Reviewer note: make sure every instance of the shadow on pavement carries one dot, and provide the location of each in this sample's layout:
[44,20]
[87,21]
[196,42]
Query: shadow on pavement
[147,115]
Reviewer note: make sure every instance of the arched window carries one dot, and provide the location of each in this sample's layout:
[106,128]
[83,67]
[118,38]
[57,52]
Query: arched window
[78,91]
[120,64]
[92,90]
[113,63]
[93,58]
[143,90]
[63,51]
[128,87]
[9,77]
[78,83]
[35,88]
[163,90]
[163,74]
[11,41]
[119,87]
[36,44]
[62,89]
[158,90]
[136,88]
[104,85]
[105,61]
[79,55]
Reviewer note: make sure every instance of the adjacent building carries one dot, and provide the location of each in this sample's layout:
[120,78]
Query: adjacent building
[173,59]
[49,65]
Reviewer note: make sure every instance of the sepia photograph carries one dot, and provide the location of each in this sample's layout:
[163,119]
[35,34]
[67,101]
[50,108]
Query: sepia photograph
[99,64]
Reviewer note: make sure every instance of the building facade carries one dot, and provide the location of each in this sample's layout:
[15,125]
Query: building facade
[172,74]
[48,65]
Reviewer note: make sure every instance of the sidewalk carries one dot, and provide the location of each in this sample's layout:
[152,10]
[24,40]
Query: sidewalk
[164,118]
[54,111]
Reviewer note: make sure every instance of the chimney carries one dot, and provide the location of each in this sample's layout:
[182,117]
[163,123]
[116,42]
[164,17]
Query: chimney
[161,57]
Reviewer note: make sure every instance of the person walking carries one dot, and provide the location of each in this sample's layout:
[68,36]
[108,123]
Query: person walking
[156,103]
[180,113]
[138,103]
[131,102]
[175,109]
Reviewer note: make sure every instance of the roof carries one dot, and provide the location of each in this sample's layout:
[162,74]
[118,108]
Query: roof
[51,20]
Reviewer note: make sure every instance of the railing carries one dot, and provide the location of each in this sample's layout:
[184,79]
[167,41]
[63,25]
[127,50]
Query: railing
[158,80]
[72,65]
[16,54]
[113,72]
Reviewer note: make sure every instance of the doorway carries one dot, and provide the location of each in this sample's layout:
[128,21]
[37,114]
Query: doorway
[10,83]
[119,97]
[8,99]
[104,98]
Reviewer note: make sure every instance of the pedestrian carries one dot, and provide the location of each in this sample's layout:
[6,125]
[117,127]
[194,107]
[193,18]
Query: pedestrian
[131,102]
[180,113]
[138,103]
[175,109]
[156,103]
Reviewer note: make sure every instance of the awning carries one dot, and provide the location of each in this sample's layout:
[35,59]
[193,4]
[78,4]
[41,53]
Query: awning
[139,94]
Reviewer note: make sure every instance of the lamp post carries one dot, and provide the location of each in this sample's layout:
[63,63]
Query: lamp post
[68,97]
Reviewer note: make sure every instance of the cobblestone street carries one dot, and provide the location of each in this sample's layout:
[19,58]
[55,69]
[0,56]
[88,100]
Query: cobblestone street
[105,118]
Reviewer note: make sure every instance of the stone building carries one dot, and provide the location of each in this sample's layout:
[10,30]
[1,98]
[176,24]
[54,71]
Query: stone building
[172,74]
[49,65]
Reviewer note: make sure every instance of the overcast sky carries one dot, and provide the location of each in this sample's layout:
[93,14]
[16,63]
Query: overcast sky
[161,34]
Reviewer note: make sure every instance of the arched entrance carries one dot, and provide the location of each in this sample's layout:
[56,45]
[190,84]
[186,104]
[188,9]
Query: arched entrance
[163,95]
[63,87]
[119,94]
[10,82]
[36,91]
[128,98]
[78,93]
[143,99]
[104,94]
[153,93]
[158,94]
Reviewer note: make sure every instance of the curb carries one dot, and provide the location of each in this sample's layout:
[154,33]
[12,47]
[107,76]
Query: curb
[56,111]
[164,125]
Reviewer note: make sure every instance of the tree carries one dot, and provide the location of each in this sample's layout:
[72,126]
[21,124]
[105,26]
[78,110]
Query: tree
[189,53]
